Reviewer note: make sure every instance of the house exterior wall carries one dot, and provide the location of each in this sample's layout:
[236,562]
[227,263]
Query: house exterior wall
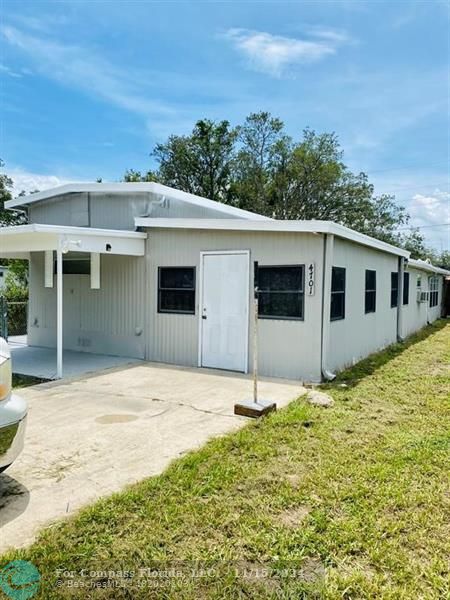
[69,209]
[110,320]
[114,211]
[360,334]
[416,315]
[287,348]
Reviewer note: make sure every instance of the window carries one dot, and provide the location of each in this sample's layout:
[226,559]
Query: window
[281,292]
[434,291]
[370,300]
[74,265]
[337,294]
[176,290]
[405,288]
[394,290]
[419,281]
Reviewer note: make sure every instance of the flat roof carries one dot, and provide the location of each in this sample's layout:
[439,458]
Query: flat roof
[273,226]
[19,240]
[426,266]
[133,188]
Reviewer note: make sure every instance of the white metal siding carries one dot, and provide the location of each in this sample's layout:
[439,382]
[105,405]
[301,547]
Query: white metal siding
[108,321]
[287,348]
[71,209]
[360,334]
[115,211]
[417,314]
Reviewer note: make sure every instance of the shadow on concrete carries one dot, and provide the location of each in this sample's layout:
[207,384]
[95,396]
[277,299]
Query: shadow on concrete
[14,499]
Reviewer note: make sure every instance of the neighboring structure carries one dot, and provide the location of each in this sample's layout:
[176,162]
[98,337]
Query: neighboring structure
[146,271]
[3,274]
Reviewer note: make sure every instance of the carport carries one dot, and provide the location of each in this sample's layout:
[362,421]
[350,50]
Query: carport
[21,241]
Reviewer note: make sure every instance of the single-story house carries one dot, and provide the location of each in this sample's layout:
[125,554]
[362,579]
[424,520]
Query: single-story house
[146,271]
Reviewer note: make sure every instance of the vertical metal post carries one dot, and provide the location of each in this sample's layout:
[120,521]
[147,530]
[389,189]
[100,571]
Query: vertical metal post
[255,349]
[59,312]
[255,331]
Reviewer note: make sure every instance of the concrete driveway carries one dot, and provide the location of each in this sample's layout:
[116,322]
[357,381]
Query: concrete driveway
[91,436]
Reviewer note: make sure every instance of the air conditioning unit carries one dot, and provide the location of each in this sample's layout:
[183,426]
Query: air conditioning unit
[422,296]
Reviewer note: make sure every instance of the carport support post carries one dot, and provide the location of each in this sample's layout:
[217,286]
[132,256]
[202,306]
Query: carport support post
[59,312]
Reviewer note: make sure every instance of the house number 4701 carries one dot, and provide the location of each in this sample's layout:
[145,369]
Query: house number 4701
[310,277]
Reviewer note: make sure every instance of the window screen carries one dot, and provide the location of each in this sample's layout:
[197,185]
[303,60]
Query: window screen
[281,292]
[370,300]
[176,290]
[337,310]
[405,288]
[394,290]
[434,291]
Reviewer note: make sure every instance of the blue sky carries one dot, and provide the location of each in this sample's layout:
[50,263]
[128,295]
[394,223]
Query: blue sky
[88,88]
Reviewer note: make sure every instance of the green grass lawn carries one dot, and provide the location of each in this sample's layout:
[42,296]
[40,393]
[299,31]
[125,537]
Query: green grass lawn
[347,502]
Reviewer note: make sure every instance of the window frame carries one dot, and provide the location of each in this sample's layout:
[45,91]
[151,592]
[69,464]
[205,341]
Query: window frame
[335,292]
[301,293]
[394,288]
[433,287]
[370,291]
[406,284]
[161,290]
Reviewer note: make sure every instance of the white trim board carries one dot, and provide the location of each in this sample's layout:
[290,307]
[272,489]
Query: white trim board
[313,227]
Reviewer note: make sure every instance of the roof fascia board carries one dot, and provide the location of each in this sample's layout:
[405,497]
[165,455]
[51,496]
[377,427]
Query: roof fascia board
[273,226]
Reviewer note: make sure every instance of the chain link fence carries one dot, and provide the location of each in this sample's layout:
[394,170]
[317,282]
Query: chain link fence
[13,318]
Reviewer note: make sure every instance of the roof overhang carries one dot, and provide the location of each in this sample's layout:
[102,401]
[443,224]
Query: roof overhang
[19,241]
[313,227]
[426,266]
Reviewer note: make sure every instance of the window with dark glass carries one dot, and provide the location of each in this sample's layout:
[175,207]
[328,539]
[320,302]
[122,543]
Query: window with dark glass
[176,290]
[434,291]
[281,292]
[370,300]
[337,310]
[75,265]
[394,290]
[405,288]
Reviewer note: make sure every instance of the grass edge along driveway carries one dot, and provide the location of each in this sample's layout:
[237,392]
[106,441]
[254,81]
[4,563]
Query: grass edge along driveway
[347,502]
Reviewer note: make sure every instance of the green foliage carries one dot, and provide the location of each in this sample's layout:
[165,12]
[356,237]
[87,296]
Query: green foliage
[200,163]
[8,217]
[16,284]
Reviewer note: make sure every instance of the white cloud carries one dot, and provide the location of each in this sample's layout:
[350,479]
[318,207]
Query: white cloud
[29,182]
[431,213]
[433,209]
[275,54]
[81,68]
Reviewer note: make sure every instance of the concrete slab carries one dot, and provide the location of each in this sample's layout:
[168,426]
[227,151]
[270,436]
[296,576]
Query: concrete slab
[90,436]
[41,362]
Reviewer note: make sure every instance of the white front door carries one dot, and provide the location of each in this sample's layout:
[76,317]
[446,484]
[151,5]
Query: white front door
[224,310]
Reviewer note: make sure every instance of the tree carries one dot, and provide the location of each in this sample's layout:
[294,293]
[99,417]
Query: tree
[201,162]
[262,142]
[8,217]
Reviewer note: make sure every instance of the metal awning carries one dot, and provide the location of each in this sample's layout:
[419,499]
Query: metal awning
[20,241]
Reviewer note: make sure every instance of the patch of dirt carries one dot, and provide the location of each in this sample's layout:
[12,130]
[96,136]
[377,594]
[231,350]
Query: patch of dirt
[294,516]
[109,419]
